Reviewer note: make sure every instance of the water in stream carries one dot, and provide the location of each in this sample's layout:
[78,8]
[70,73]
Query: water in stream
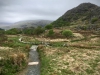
[33,57]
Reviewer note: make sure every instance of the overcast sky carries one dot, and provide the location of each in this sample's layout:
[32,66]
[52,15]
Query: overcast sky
[18,10]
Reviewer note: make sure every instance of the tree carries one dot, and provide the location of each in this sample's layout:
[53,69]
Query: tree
[2,31]
[3,38]
[13,31]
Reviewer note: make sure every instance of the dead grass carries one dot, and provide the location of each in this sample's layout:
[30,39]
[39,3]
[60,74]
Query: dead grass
[52,40]
[79,58]
[14,55]
[18,58]
[78,35]
[76,60]
[5,48]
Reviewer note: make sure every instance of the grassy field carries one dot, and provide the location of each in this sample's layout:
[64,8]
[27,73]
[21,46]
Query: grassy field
[78,57]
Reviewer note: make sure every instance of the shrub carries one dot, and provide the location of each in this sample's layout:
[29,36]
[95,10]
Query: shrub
[94,20]
[50,33]
[13,64]
[40,47]
[17,59]
[48,26]
[28,31]
[67,33]
[27,47]
[82,27]
[39,30]
[3,38]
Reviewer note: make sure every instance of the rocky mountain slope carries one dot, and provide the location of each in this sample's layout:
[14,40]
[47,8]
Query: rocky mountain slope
[83,14]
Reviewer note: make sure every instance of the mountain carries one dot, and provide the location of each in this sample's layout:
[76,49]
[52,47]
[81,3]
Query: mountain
[27,23]
[83,14]
[4,25]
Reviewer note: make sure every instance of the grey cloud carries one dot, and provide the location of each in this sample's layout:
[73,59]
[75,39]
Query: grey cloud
[17,10]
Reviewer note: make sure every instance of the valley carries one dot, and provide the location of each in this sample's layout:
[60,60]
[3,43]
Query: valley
[69,45]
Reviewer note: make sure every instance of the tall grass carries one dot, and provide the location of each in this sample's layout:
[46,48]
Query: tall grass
[16,58]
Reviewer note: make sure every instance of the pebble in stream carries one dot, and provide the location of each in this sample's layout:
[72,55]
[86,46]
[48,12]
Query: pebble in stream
[34,57]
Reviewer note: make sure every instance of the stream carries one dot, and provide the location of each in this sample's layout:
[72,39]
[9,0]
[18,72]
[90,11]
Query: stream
[33,64]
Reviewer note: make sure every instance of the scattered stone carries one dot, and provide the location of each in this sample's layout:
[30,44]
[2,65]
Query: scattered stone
[33,63]
[1,58]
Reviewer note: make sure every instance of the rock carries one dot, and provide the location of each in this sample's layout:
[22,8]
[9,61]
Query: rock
[1,58]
